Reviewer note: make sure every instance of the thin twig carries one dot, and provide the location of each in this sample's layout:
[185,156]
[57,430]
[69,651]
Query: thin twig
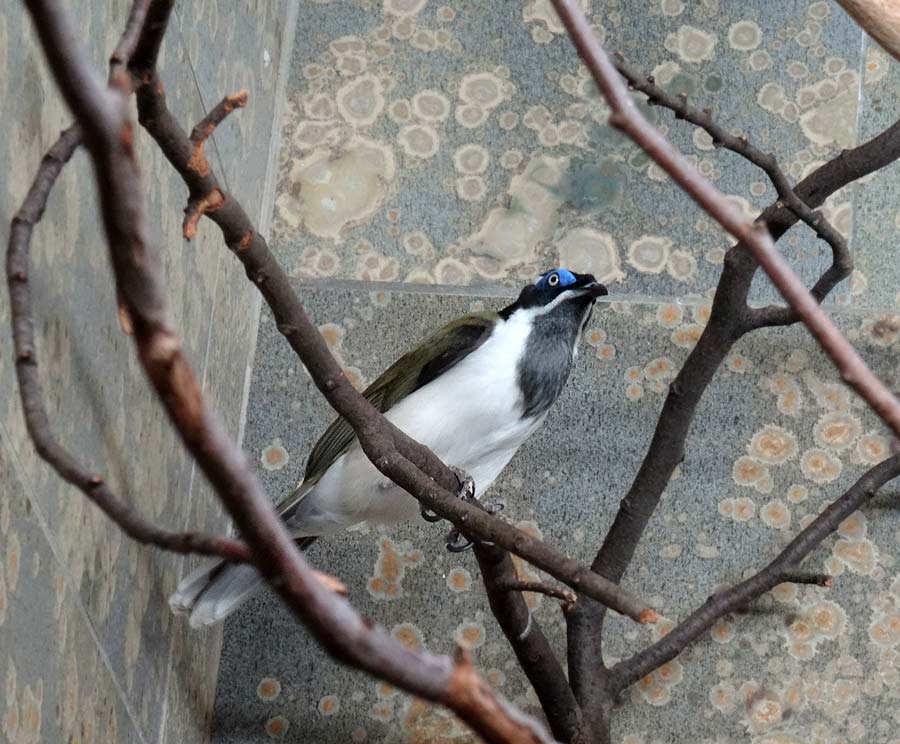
[406,462]
[807,577]
[782,568]
[108,134]
[539,587]
[842,261]
[207,125]
[198,164]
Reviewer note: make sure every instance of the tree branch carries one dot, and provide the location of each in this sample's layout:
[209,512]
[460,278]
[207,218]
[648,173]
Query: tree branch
[841,263]
[626,117]
[878,18]
[108,134]
[529,644]
[730,319]
[783,568]
[806,577]
[36,419]
[565,596]
[406,462]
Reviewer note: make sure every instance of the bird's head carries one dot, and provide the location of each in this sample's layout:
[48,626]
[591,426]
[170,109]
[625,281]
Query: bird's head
[561,292]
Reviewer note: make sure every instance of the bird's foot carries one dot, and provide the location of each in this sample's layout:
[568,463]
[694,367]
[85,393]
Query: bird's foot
[429,516]
[456,543]
[466,484]
[466,492]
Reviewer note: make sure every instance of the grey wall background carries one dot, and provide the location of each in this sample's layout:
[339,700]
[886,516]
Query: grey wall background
[434,156]
[88,649]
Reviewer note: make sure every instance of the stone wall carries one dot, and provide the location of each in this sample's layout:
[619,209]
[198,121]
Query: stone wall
[88,648]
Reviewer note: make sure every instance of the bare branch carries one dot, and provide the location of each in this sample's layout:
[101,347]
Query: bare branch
[729,320]
[782,568]
[406,462]
[628,119]
[842,262]
[539,587]
[878,18]
[528,642]
[806,577]
[208,124]
[341,630]
[37,422]
[198,164]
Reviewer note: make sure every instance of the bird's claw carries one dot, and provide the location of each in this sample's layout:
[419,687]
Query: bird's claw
[456,543]
[466,492]
[429,516]
[466,484]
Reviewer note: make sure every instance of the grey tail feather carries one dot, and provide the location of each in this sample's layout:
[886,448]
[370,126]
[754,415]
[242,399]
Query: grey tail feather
[212,593]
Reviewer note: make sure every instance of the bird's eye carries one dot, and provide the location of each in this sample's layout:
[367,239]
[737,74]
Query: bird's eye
[553,280]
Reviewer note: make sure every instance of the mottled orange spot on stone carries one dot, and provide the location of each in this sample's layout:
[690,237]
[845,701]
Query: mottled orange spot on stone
[858,555]
[781,384]
[332,334]
[669,315]
[785,592]
[274,456]
[471,635]
[800,629]
[670,672]
[427,724]
[329,705]
[409,635]
[268,688]
[606,351]
[722,631]
[31,711]
[277,727]
[390,565]
[354,377]
[459,580]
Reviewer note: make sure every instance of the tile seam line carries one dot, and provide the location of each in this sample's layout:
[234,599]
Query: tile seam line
[490,292]
[180,561]
[44,526]
[267,207]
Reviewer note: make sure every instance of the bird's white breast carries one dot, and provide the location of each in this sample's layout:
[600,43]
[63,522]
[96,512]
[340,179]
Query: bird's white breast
[471,417]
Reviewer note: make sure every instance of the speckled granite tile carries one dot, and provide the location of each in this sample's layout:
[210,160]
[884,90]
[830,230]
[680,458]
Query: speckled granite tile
[876,218]
[100,404]
[774,440]
[58,687]
[462,143]
[252,31]
[99,401]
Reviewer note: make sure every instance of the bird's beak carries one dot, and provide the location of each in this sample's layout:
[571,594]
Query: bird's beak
[595,290]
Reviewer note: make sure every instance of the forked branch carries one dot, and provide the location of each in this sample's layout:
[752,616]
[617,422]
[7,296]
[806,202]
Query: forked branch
[785,567]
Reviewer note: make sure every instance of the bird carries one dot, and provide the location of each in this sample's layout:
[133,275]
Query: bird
[473,392]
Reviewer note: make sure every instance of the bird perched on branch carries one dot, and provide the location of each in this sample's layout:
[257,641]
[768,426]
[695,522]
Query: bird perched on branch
[473,392]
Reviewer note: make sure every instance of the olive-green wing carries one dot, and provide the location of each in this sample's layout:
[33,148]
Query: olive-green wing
[442,350]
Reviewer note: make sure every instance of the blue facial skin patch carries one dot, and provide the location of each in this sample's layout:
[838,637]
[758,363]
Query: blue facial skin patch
[565,277]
